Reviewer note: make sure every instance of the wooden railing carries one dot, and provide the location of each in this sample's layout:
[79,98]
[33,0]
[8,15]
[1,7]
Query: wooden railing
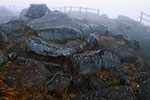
[62,9]
[142,17]
[77,9]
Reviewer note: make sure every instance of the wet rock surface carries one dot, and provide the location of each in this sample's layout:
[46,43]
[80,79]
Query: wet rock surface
[34,74]
[144,90]
[58,81]
[97,84]
[34,11]
[2,58]
[87,63]
[11,26]
[118,93]
[40,47]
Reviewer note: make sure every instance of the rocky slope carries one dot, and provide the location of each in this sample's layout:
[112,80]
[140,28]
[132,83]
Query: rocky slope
[46,55]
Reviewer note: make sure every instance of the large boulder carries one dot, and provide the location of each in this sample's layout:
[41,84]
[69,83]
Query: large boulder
[37,10]
[23,17]
[58,26]
[34,11]
[41,47]
[143,91]
[2,58]
[98,29]
[110,60]
[117,93]
[11,26]
[87,63]
[92,41]
[34,74]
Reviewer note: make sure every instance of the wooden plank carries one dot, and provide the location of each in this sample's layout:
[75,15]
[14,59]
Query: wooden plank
[98,12]
[70,9]
[80,9]
[146,20]
[146,14]
[141,17]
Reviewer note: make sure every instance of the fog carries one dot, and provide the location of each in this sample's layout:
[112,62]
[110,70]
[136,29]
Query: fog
[112,8]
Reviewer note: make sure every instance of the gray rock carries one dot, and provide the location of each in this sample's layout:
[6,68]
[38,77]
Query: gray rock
[59,33]
[41,47]
[2,58]
[87,63]
[98,29]
[23,17]
[82,46]
[11,26]
[141,76]
[3,37]
[117,93]
[79,82]
[58,81]
[141,66]
[125,81]
[34,74]
[72,43]
[28,61]
[111,62]
[143,91]
[58,26]
[12,55]
[37,10]
[134,44]
[97,84]
[92,41]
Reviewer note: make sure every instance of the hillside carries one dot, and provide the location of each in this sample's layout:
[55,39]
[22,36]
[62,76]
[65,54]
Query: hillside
[47,55]
[123,25]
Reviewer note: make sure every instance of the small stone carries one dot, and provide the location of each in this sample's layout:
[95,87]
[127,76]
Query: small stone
[58,81]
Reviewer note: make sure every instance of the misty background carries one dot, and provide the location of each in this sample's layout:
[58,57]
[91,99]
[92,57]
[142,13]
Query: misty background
[112,8]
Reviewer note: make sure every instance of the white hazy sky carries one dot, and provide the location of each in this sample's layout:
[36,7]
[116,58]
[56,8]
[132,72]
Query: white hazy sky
[112,8]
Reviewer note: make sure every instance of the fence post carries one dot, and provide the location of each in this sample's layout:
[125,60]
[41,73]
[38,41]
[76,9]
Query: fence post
[86,10]
[80,9]
[70,9]
[141,17]
[98,12]
[64,9]
[60,9]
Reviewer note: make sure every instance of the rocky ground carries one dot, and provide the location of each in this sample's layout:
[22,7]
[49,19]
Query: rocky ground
[46,55]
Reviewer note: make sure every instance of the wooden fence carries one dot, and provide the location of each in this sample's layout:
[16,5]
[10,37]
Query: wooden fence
[142,17]
[62,9]
[77,9]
